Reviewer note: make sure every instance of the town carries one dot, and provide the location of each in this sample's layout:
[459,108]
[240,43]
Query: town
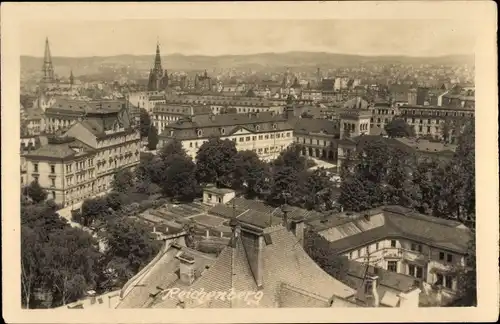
[314,187]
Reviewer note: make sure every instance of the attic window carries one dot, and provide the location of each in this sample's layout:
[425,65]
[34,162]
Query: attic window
[257,127]
[222,131]
[171,133]
[274,126]
[200,132]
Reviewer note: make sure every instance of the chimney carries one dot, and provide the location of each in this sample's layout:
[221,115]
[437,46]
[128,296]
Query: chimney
[92,296]
[186,268]
[371,289]
[285,209]
[298,228]
[252,238]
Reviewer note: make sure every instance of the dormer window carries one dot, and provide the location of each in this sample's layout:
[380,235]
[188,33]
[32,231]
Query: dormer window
[222,131]
[171,133]
[199,132]
[257,127]
[274,126]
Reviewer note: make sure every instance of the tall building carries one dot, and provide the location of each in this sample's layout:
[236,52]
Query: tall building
[82,163]
[265,133]
[47,68]
[158,78]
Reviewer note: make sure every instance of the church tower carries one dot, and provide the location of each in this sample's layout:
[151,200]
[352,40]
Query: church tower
[158,78]
[48,68]
[71,79]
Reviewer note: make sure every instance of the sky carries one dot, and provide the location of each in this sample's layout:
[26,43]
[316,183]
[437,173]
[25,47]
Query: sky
[220,37]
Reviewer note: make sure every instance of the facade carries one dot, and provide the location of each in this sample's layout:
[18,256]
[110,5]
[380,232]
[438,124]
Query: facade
[382,114]
[317,137]
[146,99]
[429,120]
[164,114]
[82,163]
[354,123]
[220,104]
[399,240]
[265,133]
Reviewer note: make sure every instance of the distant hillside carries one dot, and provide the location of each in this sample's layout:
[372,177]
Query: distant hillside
[253,61]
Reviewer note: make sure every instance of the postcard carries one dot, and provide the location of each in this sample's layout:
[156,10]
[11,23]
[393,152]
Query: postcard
[220,162]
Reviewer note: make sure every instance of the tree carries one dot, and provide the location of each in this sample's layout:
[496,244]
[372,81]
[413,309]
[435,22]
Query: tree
[152,138]
[251,174]
[317,191]
[131,243]
[399,128]
[173,147]
[35,192]
[43,219]
[180,178]
[145,123]
[320,251]
[73,255]
[123,181]
[94,209]
[29,264]
[285,185]
[215,162]
[291,157]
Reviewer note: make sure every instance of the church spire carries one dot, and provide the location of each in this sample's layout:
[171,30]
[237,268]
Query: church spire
[47,69]
[71,78]
[157,66]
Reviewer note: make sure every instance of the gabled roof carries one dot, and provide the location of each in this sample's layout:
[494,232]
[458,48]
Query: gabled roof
[290,277]
[66,150]
[312,125]
[348,232]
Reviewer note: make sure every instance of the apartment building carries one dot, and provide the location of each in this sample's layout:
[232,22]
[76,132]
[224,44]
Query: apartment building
[65,112]
[82,162]
[265,133]
[318,137]
[164,114]
[219,104]
[429,120]
[397,239]
[382,113]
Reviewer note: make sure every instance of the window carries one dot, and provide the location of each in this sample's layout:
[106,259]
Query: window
[376,246]
[52,182]
[241,139]
[441,255]
[190,144]
[247,138]
[415,271]
[350,255]
[260,137]
[254,138]
[439,279]
[266,137]
[448,282]
[449,258]
[393,243]
[367,250]
[35,167]
[392,266]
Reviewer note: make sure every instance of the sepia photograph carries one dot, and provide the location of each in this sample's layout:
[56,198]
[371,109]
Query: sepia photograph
[231,163]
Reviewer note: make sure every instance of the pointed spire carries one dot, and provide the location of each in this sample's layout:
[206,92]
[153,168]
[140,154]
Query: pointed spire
[47,69]
[157,66]
[71,78]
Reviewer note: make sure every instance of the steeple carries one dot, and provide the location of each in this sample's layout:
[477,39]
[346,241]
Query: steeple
[71,78]
[157,66]
[47,69]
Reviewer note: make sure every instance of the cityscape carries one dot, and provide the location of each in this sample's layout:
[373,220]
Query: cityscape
[307,179]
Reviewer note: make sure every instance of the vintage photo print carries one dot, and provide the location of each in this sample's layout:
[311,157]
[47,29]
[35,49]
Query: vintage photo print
[220,162]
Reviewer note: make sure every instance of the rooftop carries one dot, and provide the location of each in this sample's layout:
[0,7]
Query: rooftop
[348,231]
[63,150]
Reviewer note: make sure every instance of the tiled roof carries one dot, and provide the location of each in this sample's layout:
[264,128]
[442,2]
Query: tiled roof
[290,277]
[181,109]
[62,151]
[65,105]
[427,146]
[311,125]
[346,233]
[225,125]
